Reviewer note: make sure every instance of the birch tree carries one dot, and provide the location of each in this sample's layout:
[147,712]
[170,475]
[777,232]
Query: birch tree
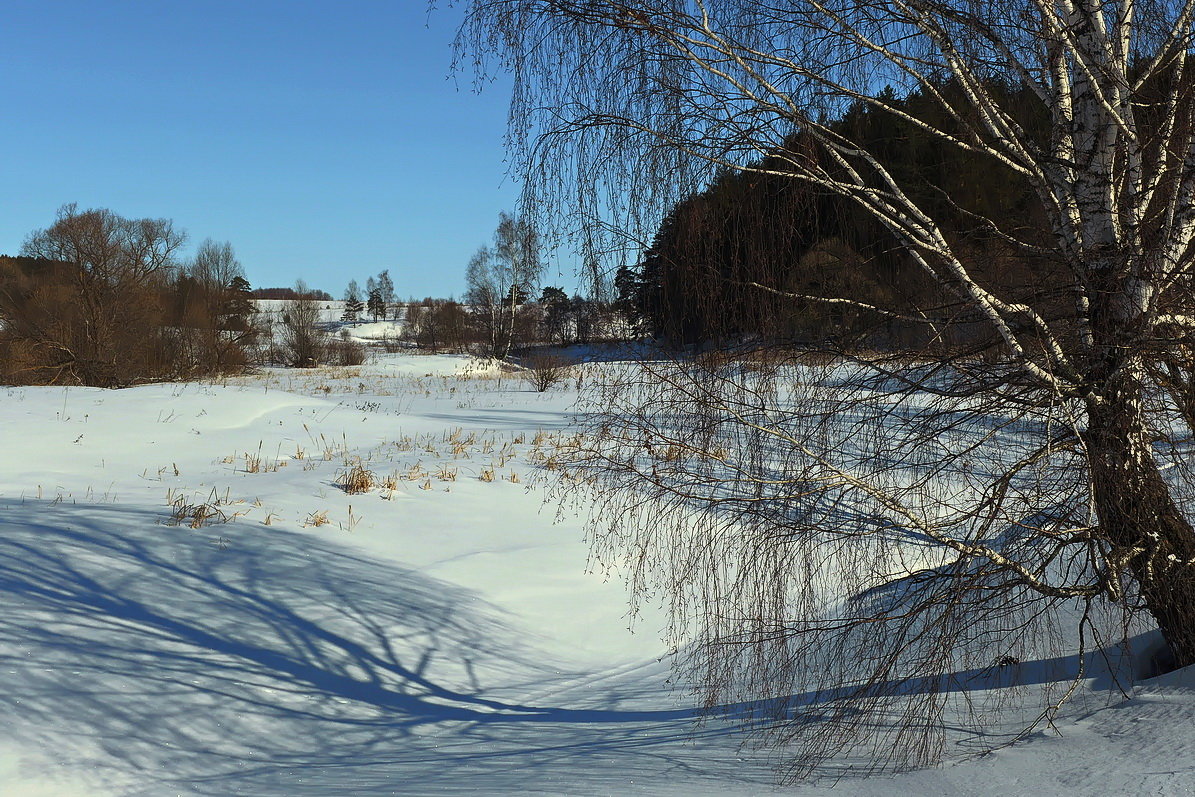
[499,279]
[738,496]
[386,291]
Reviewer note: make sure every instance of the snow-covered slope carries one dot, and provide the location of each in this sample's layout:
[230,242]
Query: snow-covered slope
[437,634]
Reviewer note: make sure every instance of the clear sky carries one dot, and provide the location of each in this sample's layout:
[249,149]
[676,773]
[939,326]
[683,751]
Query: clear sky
[324,140]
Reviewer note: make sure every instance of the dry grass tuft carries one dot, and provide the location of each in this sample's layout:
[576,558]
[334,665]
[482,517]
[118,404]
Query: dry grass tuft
[670,453]
[317,519]
[196,515]
[356,479]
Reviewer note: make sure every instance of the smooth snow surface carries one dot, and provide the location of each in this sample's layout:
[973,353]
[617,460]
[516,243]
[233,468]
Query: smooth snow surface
[440,635]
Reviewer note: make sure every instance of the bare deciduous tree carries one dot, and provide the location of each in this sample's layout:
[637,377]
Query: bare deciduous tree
[215,265]
[101,334]
[500,278]
[897,521]
[109,247]
[302,344]
[385,291]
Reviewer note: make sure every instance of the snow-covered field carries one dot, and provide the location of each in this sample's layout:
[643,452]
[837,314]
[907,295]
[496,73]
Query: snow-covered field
[437,634]
[330,313]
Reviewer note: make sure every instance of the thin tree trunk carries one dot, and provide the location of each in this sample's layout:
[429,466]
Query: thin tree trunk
[509,328]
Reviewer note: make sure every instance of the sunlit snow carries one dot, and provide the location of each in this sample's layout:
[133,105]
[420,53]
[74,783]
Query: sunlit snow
[441,633]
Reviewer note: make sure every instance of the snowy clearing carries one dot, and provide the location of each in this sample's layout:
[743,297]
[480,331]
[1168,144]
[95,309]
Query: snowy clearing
[437,634]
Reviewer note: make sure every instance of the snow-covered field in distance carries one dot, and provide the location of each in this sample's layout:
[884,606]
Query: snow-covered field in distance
[331,311]
[439,634]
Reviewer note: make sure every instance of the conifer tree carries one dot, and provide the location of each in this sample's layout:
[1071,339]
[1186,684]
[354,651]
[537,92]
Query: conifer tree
[352,302]
[374,304]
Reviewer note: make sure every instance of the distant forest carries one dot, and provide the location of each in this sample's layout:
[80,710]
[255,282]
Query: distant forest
[289,293]
[750,256]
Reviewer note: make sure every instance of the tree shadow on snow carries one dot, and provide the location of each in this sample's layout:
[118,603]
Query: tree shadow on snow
[287,664]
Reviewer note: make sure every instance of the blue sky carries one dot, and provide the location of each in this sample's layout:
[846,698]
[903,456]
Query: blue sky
[324,140]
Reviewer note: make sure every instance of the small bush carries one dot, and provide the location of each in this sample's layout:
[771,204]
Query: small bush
[302,344]
[345,351]
[545,370]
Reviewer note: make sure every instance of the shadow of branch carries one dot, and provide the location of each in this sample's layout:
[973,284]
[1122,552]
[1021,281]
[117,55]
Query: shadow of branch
[288,654]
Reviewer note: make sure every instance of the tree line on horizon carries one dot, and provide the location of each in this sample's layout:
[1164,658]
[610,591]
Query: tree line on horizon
[761,258]
[289,294]
[759,254]
[103,300]
[503,311]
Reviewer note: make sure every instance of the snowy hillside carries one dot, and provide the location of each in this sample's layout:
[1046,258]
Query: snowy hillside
[330,311]
[194,605]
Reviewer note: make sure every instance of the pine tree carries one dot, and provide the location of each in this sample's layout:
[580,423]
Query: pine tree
[239,304]
[375,305]
[556,307]
[352,302]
